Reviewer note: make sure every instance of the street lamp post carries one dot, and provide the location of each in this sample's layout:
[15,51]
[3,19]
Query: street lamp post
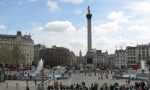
[149,76]
[42,83]
[54,77]
[148,64]
[41,87]
[27,83]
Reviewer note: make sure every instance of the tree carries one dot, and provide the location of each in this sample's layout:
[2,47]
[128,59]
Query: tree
[11,55]
[5,55]
[17,56]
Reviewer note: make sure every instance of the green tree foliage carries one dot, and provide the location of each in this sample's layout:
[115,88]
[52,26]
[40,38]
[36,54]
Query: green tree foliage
[5,55]
[17,55]
[11,55]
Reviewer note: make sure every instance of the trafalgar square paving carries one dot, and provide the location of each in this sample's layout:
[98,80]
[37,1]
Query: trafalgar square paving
[75,78]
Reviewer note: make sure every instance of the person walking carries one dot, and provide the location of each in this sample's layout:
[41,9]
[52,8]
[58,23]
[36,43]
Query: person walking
[35,82]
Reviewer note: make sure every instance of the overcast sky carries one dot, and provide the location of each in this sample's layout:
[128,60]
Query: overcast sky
[116,23]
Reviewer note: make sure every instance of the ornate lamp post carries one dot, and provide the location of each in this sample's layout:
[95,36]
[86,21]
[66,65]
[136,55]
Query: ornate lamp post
[54,77]
[27,83]
[42,83]
[27,87]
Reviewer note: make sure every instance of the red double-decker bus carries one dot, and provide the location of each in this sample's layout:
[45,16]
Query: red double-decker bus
[135,66]
[15,67]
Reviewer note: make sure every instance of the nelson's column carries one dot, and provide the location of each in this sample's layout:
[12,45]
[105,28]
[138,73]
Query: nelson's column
[89,36]
[90,53]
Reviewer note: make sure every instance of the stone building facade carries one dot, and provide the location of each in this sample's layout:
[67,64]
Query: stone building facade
[37,49]
[138,53]
[131,55]
[102,58]
[57,56]
[111,60]
[120,58]
[97,58]
[24,42]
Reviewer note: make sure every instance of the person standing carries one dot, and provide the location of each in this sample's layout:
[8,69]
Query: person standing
[35,82]
[48,88]
[27,88]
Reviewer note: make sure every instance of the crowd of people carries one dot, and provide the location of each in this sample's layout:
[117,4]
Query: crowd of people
[116,86]
[105,86]
[101,74]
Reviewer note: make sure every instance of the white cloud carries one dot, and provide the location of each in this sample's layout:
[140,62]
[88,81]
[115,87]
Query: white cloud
[140,6]
[120,30]
[53,5]
[60,33]
[60,25]
[117,16]
[107,35]
[114,22]
[57,26]
[2,27]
